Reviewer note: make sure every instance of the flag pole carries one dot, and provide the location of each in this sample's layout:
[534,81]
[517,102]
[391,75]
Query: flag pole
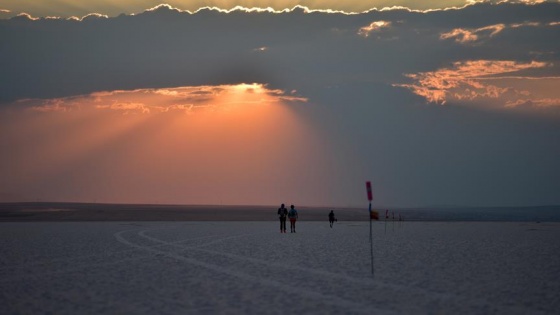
[371,214]
[371,239]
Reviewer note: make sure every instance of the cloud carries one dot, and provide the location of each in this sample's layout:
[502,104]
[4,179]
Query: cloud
[476,36]
[545,102]
[468,81]
[209,47]
[525,24]
[465,36]
[127,107]
[529,2]
[56,105]
[165,7]
[5,14]
[246,9]
[146,101]
[93,16]
[373,27]
[62,8]
[212,47]
[25,16]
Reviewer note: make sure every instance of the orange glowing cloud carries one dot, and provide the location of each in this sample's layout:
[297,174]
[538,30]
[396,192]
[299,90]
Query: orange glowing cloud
[470,36]
[373,27]
[543,102]
[27,16]
[465,36]
[483,81]
[183,99]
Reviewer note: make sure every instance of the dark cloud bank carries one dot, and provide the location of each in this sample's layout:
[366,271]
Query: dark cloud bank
[417,153]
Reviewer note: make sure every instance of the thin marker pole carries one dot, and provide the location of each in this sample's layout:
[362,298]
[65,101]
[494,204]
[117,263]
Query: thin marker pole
[385,226]
[371,239]
[370,198]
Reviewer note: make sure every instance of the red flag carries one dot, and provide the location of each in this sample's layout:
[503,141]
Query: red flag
[374,215]
[369,194]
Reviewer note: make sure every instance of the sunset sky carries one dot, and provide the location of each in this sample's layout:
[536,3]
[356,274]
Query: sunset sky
[218,102]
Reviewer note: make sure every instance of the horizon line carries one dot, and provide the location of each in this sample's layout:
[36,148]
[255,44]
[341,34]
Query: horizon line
[382,207]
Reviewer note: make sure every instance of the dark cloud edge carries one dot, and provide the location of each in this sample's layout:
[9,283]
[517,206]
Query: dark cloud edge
[296,9]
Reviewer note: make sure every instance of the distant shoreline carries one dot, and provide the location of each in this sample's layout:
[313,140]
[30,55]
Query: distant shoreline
[61,211]
[67,211]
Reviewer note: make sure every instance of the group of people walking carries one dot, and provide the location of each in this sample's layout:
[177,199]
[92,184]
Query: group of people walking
[292,214]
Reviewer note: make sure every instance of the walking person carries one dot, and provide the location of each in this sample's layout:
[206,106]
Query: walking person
[282,213]
[331,218]
[293,215]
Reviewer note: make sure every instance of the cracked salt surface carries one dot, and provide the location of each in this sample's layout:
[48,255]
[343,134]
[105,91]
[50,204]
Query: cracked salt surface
[249,267]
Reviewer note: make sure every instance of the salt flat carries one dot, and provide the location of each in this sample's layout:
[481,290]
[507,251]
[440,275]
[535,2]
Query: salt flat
[249,267]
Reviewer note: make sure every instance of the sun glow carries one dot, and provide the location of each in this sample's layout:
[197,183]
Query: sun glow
[203,144]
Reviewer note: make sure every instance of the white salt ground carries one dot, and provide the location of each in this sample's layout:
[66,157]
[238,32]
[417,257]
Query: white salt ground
[250,268]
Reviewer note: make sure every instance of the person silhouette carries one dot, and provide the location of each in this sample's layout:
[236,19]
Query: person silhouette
[282,213]
[331,218]
[293,215]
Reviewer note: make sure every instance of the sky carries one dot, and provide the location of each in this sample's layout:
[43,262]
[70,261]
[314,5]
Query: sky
[192,102]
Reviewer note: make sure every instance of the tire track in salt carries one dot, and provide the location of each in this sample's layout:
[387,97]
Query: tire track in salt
[329,299]
[50,261]
[318,272]
[322,273]
[21,272]
[430,295]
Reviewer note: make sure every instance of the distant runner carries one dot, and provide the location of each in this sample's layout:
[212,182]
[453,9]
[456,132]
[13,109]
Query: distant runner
[293,215]
[331,218]
[282,213]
